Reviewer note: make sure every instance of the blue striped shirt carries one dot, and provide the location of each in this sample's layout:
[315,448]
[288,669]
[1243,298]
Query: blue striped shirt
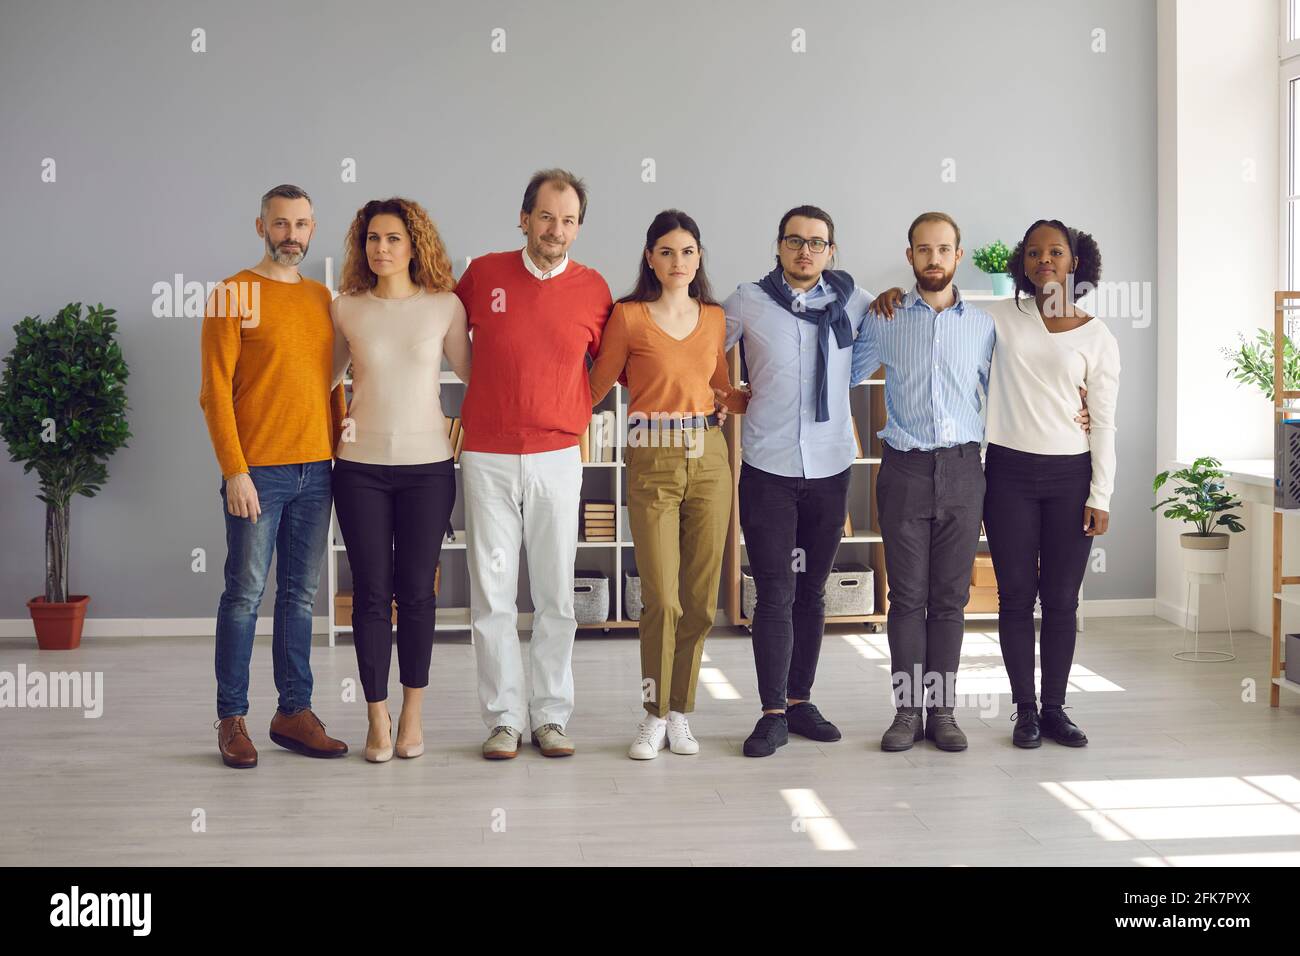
[936,366]
[779,431]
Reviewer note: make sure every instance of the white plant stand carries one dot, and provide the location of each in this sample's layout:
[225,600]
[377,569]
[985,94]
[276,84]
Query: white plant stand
[1194,653]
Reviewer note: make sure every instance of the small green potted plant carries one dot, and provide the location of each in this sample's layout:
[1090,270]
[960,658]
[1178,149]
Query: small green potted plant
[62,414]
[1251,363]
[1200,499]
[992,259]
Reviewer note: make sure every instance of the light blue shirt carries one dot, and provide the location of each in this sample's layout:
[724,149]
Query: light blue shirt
[779,431]
[936,368]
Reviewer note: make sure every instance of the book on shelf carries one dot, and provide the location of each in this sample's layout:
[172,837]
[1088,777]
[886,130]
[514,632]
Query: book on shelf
[857,439]
[848,525]
[584,444]
[608,424]
[596,520]
[599,437]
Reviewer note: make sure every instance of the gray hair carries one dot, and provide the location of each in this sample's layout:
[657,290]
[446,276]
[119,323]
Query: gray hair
[284,191]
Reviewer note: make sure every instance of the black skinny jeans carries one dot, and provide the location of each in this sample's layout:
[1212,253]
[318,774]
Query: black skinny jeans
[1033,516]
[792,530]
[393,518]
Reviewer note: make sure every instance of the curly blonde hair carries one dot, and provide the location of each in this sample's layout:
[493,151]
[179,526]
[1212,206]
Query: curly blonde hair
[430,266]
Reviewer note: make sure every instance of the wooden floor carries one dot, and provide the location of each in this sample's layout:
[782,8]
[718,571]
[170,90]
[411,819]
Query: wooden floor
[1179,768]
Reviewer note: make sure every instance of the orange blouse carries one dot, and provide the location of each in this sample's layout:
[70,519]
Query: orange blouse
[664,374]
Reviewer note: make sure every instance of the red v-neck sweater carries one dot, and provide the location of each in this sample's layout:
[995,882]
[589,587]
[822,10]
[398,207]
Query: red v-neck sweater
[528,389]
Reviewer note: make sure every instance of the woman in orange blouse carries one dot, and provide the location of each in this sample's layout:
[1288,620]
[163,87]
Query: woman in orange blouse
[665,341]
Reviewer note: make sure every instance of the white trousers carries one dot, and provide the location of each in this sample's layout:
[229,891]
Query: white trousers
[533,500]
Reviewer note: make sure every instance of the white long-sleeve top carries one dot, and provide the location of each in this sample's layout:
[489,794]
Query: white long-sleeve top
[1034,387]
[396,348]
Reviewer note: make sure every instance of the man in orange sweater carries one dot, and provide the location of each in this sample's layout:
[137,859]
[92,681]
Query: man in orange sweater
[267,353]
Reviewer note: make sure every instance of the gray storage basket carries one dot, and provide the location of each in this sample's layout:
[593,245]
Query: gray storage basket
[850,591]
[590,597]
[632,596]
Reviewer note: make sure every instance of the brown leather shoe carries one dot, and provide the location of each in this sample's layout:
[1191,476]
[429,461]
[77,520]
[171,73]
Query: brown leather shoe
[304,733]
[236,746]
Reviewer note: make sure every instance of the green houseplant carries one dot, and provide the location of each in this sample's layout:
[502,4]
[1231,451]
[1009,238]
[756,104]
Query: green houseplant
[1200,499]
[992,258]
[1251,363]
[62,414]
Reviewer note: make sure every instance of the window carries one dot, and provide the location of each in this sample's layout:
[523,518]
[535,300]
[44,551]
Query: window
[1289,101]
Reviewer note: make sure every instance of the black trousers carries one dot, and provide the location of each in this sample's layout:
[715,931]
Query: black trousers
[929,505]
[1033,516]
[792,530]
[393,518]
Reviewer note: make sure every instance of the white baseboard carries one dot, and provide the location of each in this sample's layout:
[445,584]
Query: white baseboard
[1118,607]
[21,627]
[146,626]
[1175,614]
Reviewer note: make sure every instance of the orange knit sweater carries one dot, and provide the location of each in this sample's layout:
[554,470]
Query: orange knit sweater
[267,355]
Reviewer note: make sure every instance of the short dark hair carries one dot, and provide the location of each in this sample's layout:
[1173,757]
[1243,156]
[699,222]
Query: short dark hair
[283,191]
[808,212]
[561,177]
[934,217]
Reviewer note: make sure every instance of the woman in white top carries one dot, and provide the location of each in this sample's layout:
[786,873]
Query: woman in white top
[1048,483]
[394,483]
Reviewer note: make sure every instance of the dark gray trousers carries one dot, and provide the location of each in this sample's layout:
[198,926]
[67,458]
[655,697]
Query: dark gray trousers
[929,505]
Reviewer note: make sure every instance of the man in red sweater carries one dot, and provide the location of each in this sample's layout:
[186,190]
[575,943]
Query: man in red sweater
[534,315]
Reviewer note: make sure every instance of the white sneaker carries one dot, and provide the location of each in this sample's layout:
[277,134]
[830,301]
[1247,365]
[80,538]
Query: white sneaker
[649,740]
[680,740]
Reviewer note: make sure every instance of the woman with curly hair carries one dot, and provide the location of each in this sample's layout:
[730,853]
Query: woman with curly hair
[394,483]
[1048,484]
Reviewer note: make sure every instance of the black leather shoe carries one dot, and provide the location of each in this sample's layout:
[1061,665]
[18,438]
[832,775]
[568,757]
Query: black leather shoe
[769,733]
[1027,733]
[1061,728]
[806,720]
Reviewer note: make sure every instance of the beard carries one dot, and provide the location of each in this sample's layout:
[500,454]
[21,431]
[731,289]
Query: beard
[291,257]
[545,251]
[933,283]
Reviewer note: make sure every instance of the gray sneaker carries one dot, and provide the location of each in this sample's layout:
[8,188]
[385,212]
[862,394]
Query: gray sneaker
[503,744]
[551,740]
[906,730]
[941,727]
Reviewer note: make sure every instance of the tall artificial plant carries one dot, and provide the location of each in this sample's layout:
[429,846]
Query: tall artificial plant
[63,414]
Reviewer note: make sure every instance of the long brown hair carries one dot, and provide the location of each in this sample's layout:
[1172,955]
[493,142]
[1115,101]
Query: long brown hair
[648,288]
[430,267]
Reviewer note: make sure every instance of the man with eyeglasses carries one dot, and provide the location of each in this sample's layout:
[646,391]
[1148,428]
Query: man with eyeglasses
[797,326]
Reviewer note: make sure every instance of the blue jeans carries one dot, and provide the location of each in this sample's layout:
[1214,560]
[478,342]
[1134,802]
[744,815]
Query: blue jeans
[295,520]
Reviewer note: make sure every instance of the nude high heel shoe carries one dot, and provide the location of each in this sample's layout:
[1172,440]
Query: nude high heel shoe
[381,754]
[408,753]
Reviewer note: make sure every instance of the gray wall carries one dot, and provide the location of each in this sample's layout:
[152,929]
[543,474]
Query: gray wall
[163,152]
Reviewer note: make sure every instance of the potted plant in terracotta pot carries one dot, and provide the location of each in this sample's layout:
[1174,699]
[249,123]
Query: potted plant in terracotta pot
[62,414]
[1200,500]
[992,259]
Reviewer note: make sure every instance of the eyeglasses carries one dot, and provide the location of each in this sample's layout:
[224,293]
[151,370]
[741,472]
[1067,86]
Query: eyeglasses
[795,243]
